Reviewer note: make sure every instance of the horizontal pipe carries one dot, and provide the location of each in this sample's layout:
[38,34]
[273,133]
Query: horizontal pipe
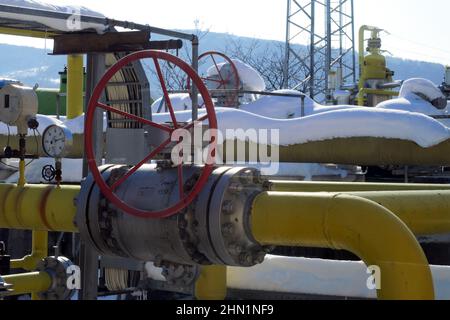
[307,186]
[351,151]
[367,152]
[33,282]
[424,212]
[34,145]
[347,222]
[38,207]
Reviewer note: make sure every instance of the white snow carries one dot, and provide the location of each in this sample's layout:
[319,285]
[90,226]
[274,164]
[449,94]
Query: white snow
[72,170]
[347,123]
[179,101]
[311,277]
[59,24]
[250,78]
[408,99]
[420,85]
[307,171]
[279,107]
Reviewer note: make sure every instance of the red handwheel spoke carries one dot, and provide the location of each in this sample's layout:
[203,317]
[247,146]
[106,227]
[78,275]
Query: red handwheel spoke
[119,182]
[100,174]
[217,67]
[166,93]
[133,117]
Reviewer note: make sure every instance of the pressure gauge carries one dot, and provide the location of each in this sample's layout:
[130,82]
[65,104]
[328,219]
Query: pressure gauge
[57,141]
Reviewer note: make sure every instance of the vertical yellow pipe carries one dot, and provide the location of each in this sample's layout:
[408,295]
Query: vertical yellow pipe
[212,283]
[22,180]
[75,80]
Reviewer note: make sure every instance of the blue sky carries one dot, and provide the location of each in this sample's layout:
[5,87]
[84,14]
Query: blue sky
[418,28]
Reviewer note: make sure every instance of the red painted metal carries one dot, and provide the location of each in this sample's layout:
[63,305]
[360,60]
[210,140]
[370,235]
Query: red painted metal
[222,83]
[210,116]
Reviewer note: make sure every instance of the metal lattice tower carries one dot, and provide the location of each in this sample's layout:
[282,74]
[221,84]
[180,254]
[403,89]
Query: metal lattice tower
[327,28]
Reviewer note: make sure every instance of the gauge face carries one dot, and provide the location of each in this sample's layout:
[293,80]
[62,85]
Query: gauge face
[56,141]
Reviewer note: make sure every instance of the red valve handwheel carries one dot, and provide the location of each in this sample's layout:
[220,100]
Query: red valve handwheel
[210,116]
[232,80]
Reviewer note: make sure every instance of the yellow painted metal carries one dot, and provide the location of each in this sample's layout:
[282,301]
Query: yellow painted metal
[424,212]
[22,180]
[39,252]
[212,283]
[38,207]
[75,79]
[352,223]
[363,91]
[307,186]
[26,33]
[33,282]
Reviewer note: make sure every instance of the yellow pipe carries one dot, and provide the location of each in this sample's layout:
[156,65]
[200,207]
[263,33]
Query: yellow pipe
[424,212]
[363,91]
[212,283]
[33,282]
[306,186]
[362,32]
[38,207]
[75,79]
[22,180]
[38,253]
[347,222]
[26,33]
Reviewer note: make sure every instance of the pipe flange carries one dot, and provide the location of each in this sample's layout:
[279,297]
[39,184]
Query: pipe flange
[197,222]
[180,275]
[57,268]
[229,218]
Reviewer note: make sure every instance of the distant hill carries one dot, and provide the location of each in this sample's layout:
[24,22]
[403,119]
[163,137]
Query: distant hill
[31,65]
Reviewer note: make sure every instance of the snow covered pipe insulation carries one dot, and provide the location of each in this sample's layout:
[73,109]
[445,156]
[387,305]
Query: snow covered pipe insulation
[351,151]
[367,151]
[334,221]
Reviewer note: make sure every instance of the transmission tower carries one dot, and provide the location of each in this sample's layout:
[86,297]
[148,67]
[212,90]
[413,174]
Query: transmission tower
[326,27]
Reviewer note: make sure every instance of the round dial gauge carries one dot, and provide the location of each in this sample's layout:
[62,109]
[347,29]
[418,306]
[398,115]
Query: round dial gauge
[57,141]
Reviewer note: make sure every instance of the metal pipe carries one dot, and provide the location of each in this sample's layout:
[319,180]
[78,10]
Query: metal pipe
[75,80]
[347,222]
[212,283]
[295,186]
[39,251]
[424,212]
[33,282]
[379,92]
[38,207]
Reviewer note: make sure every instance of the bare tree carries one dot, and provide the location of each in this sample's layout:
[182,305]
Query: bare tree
[268,59]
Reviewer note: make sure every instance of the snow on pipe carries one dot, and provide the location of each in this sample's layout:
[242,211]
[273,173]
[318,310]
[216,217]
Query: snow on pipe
[304,276]
[334,221]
